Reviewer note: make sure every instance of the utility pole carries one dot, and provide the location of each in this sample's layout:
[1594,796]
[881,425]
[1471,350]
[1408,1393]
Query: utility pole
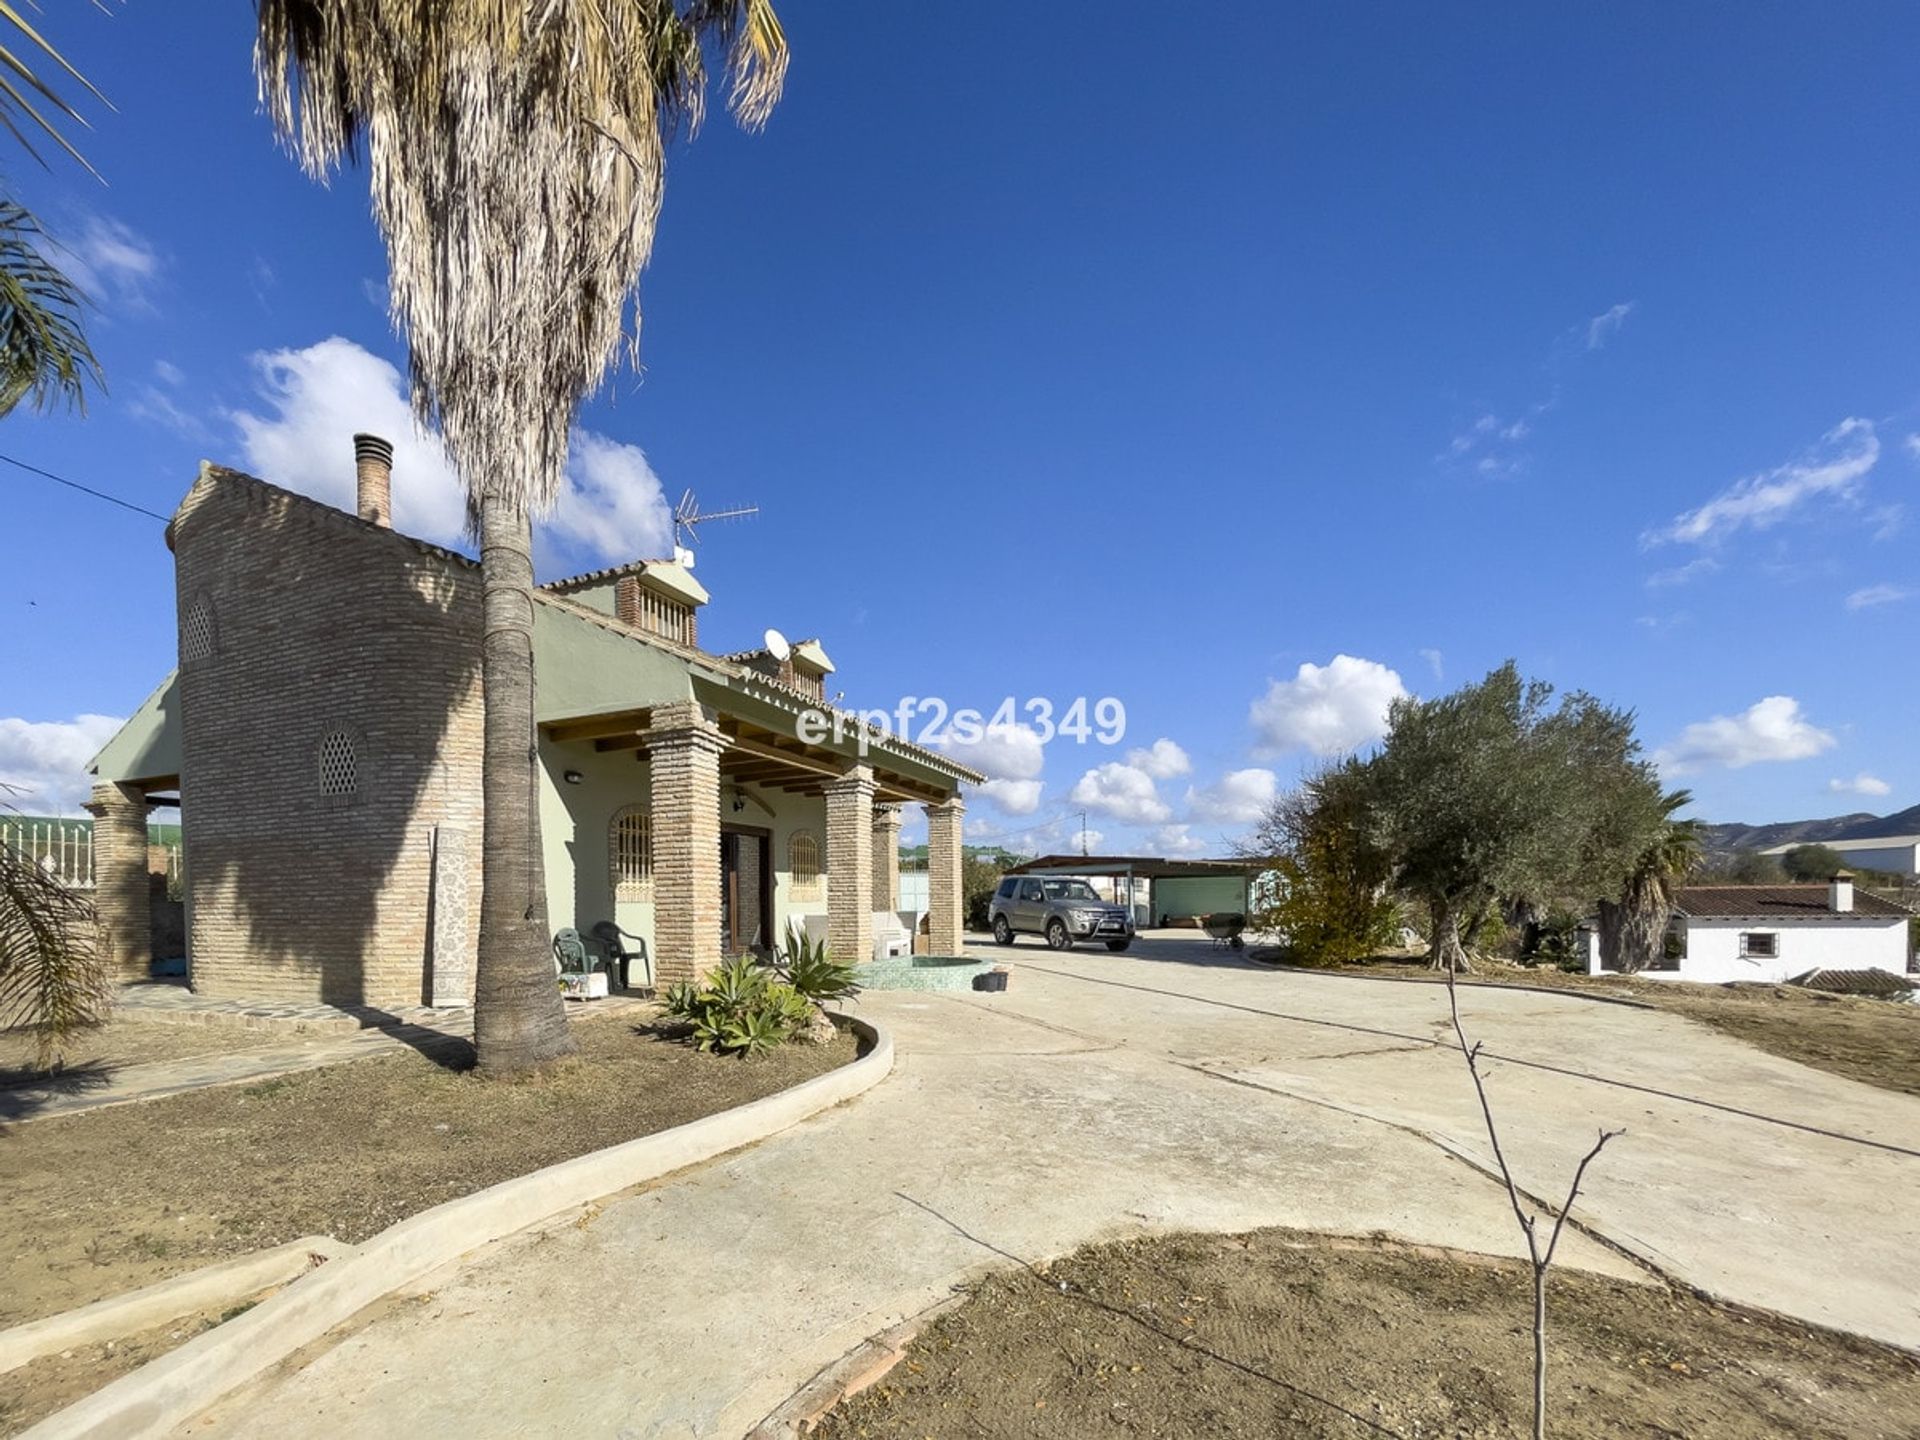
[1083,834]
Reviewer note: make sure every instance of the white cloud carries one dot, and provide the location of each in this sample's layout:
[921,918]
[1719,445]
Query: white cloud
[1682,574]
[1833,468]
[1913,446]
[1604,326]
[1163,760]
[1867,598]
[43,762]
[1006,751]
[1176,840]
[111,262]
[168,373]
[1123,791]
[1011,756]
[610,506]
[1240,797]
[1861,784]
[1326,709]
[1014,797]
[1437,662]
[1772,729]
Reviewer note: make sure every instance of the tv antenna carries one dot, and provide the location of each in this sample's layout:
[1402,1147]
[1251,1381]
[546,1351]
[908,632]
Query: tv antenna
[688,517]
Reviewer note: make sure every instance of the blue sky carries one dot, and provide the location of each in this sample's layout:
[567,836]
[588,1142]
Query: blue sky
[1249,372]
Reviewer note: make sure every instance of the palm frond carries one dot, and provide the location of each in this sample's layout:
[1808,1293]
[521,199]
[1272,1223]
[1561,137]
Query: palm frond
[19,81]
[52,973]
[517,151]
[43,350]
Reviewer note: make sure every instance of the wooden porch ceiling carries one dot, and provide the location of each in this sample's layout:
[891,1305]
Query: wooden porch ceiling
[754,756]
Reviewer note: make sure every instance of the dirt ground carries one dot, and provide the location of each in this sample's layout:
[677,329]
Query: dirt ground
[101,1202]
[1874,1041]
[127,1042]
[53,1382]
[1284,1333]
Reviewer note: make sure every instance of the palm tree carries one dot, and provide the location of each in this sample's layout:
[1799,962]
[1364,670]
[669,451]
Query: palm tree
[43,351]
[1634,926]
[517,153]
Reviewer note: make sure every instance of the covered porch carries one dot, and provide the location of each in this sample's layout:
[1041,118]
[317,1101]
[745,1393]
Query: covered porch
[709,825]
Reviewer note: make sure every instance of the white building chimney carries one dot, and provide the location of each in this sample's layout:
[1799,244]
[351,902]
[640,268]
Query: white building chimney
[1840,893]
[373,477]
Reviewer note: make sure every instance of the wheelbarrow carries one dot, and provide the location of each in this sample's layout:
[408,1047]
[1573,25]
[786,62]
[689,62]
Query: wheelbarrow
[1227,929]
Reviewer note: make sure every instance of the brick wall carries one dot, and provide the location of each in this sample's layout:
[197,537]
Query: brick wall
[321,626]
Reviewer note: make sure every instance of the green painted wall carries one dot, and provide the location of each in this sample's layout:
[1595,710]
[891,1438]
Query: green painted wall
[1198,895]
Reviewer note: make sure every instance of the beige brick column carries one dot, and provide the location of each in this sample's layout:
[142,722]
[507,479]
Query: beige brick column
[683,752]
[945,904]
[886,857]
[850,866]
[120,894]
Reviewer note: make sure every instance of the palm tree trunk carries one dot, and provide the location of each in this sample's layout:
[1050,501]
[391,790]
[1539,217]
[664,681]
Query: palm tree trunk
[518,1019]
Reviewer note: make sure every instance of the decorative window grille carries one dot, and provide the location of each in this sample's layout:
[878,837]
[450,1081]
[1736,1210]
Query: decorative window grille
[339,765]
[1759,945]
[814,687]
[803,862]
[630,848]
[196,632]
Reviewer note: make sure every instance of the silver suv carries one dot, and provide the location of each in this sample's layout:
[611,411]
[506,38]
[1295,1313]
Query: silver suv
[1062,910]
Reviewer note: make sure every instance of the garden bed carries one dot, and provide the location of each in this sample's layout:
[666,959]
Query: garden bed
[104,1201]
[1874,1041]
[1284,1333]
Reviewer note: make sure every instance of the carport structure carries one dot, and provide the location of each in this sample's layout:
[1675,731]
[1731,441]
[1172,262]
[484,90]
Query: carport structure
[1176,889]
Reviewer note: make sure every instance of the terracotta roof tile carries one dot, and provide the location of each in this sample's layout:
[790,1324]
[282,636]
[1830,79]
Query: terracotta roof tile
[1784,902]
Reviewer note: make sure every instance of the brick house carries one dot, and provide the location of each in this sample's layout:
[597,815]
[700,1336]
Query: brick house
[322,736]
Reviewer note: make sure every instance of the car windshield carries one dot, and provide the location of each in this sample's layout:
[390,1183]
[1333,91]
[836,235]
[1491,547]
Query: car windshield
[1070,890]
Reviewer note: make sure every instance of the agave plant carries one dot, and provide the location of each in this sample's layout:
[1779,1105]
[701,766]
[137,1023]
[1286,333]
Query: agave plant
[807,965]
[742,1009]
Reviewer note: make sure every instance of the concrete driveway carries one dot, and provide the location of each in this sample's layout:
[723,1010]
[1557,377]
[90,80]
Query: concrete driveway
[1170,1088]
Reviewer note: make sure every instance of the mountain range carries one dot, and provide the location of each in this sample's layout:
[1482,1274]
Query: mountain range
[1724,839]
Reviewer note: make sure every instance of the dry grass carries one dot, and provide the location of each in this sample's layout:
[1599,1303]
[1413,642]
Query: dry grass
[103,1201]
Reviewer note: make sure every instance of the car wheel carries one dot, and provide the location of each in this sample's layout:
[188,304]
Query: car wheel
[1002,931]
[1118,945]
[1057,936]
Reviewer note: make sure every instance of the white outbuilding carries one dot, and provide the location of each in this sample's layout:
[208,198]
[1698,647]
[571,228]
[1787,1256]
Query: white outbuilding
[1771,933]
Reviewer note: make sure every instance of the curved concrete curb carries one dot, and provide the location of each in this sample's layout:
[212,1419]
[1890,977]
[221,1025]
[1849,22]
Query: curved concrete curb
[154,1399]
[226,1283]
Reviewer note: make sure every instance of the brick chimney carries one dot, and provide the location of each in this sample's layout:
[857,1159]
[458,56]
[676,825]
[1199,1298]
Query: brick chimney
[373,474]
[1840,893]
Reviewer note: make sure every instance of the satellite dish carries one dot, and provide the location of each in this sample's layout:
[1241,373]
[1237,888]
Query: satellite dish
[777,645]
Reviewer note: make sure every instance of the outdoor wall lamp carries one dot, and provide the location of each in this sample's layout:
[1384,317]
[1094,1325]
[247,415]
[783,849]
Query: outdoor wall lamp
[573,777]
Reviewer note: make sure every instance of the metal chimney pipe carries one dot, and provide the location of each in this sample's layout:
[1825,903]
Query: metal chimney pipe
[373,476]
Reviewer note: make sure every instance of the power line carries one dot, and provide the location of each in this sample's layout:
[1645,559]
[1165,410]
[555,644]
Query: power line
[85,489]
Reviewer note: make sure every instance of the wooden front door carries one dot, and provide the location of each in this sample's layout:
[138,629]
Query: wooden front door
[746,890]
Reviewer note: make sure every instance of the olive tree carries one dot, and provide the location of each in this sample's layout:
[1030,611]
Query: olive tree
[1494,793]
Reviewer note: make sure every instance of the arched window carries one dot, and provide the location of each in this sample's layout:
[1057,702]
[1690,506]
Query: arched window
[339,765]
[630,853]
[803,861]
[196,631]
